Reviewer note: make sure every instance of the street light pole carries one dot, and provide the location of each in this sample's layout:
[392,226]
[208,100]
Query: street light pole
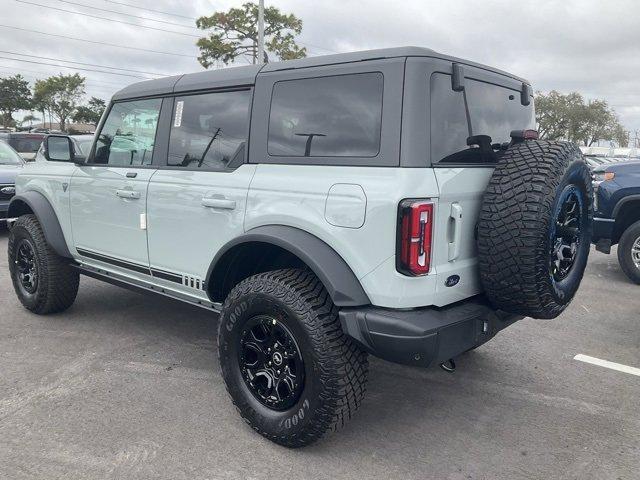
[260,32]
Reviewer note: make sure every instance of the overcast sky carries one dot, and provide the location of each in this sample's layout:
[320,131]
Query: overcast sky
[589,46]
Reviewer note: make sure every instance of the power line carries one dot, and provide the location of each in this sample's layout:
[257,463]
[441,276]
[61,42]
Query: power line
[83,63]
[20,70]
[108,19]
[150,9]
[127,14]
[96,42]
[76,68]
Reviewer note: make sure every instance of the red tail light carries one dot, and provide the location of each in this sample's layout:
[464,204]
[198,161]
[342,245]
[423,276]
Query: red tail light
[415,226]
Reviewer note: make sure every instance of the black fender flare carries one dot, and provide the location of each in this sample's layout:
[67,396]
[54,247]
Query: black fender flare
[341,283]
[46,215]
[622,202]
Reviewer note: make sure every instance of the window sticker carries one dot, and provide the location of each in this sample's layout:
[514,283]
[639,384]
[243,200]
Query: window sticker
[178,118]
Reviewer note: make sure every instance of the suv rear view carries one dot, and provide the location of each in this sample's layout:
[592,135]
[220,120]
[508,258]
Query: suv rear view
[394,202]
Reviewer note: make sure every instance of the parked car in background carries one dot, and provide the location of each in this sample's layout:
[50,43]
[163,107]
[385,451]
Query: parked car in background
[26,144]
[10,165]
[617,213]
[81,144]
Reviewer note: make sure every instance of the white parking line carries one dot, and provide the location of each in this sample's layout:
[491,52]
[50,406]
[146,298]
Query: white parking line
[606,364]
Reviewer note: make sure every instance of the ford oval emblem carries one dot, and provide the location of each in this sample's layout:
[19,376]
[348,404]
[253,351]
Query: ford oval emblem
[452,281]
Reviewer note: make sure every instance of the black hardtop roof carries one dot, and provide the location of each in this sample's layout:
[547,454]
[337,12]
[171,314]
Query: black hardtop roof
[246,75]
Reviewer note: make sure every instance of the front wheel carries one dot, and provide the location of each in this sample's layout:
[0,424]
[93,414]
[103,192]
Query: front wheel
[629,252]
[44,282]
[290,370]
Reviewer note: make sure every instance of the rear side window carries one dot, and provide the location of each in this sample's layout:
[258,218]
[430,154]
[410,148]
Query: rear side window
[25,144]
[128,134]
[208,131]
[335,116]
[493,110]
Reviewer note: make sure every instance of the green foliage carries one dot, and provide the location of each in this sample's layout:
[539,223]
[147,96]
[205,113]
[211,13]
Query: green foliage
[14,95]
[60,95]
[29,119]
[569,117]
[235,33]
[90,113]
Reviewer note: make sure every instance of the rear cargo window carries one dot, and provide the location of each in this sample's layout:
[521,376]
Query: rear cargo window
[336,116]
[493,110]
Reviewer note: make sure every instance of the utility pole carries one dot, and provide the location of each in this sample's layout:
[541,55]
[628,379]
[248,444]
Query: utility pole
[260,32]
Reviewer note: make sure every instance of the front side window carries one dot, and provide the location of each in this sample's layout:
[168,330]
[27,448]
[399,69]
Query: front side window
[128,135]
[336,116]
[208,131]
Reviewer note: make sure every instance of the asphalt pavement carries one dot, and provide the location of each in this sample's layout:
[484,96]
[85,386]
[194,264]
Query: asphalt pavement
[128,386]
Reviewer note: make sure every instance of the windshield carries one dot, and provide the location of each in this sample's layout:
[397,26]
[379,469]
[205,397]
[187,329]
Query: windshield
[8,156]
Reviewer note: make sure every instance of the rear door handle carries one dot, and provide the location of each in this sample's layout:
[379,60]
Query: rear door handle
[131,194]
[219,203]
[456,217]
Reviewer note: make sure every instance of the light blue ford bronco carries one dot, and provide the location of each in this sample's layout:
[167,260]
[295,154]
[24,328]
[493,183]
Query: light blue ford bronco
[394,202]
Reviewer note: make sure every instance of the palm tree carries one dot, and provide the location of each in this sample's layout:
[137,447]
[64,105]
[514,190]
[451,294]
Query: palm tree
[29,118]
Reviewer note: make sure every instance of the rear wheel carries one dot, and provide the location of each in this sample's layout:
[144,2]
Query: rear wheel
[534,231]
[290,370]
[43,281]
[629,252]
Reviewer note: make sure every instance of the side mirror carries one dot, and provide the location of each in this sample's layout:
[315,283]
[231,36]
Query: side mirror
[60,148]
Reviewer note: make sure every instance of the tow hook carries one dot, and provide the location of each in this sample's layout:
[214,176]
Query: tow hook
[448,366]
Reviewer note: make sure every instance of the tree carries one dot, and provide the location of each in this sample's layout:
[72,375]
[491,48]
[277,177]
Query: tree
[235,33]
[61,94]
[29,119]
[90,113]
[569,117]
[14,95]
[621,136]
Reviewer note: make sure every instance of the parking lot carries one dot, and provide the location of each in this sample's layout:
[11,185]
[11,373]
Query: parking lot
[127,386]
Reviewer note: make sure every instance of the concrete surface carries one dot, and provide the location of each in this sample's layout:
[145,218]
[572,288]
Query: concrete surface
[127,386]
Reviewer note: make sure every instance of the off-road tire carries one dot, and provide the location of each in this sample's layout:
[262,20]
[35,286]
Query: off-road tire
[335,368]
[516,223]
[57,284]
[626,243]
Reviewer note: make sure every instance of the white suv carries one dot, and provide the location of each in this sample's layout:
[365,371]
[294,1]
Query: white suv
[395,202]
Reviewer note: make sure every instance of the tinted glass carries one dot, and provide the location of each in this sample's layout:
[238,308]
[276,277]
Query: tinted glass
[25,144]
[496,111]
[493,110]
[210,130]
[8,156]
[128,134]
[337,116]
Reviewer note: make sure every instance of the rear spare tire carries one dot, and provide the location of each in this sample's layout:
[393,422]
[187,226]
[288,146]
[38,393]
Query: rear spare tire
[534,231]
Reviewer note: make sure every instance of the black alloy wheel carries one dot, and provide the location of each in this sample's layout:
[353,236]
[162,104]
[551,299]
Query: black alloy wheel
[271,363]
[566,233]
[26,267]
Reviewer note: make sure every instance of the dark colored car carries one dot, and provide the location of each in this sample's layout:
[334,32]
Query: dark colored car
[26,144]
[10,165]
[617,213]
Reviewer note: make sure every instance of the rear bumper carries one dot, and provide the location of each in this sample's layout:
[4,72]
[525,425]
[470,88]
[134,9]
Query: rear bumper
[425,336]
